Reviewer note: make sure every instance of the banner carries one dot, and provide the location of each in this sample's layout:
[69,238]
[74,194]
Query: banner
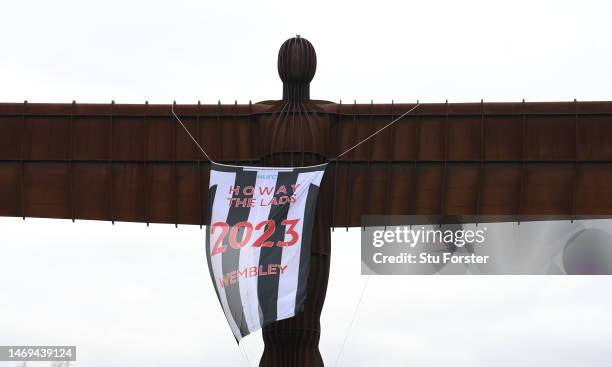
[258,241]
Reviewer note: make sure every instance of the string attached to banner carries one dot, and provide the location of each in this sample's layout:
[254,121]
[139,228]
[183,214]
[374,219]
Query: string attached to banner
[191,136]
[377,132]
[329,160]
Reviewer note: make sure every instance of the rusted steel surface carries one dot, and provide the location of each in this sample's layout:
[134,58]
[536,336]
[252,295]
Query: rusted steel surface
[134,163]
[479,159]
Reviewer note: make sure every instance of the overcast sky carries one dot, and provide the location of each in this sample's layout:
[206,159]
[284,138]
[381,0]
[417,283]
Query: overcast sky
[129,295]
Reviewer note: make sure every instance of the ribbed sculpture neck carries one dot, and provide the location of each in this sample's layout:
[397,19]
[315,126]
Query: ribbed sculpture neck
[296,92]
[297,63]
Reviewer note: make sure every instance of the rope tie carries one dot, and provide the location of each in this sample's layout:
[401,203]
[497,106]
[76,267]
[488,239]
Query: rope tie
[329,160]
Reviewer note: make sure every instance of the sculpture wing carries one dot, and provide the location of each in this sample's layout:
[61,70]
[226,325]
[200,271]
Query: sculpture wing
[115,161]
[478,159]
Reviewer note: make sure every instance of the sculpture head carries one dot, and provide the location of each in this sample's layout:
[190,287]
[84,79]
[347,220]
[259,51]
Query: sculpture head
[297,63]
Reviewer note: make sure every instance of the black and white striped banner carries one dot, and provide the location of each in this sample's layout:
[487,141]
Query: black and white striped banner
[258,241]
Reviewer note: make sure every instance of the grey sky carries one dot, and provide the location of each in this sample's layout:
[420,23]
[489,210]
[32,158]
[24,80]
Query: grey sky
[130,295]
